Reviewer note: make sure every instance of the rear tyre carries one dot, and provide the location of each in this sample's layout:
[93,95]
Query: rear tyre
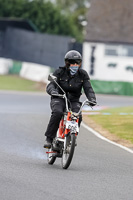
[68,153]
[50,158]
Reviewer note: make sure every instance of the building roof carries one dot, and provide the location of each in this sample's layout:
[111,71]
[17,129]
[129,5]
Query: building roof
[110,21]
[17,23]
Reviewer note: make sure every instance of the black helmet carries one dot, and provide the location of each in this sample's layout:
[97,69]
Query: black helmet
[73,57]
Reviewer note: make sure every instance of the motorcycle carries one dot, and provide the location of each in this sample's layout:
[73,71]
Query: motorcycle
[64,144]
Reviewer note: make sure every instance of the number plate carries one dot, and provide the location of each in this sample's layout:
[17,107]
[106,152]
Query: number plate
[73,126]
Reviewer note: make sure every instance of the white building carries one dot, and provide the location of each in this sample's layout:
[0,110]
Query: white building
[108,46]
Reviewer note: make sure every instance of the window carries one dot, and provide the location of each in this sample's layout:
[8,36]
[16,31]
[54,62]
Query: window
[119,50]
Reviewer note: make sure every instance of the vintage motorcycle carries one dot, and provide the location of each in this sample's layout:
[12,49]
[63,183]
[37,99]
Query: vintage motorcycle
[64,144]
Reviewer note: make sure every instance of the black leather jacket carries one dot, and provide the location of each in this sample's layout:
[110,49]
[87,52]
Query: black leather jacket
[72,85]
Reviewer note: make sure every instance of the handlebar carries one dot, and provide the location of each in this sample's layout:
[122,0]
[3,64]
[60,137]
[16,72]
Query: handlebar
[86,102]
[58,95]
[91,102]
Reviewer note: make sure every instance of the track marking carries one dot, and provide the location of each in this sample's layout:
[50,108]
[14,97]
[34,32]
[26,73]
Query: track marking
[98,113]
[105,139]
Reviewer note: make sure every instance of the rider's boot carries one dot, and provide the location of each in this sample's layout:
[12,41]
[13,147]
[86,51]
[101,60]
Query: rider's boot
[48,143]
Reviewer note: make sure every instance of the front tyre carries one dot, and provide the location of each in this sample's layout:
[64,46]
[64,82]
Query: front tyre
[69,151]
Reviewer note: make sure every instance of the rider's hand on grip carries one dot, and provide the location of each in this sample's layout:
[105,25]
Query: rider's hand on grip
[54,93]
[92,102]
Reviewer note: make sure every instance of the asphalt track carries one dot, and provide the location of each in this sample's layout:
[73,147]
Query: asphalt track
[99,170]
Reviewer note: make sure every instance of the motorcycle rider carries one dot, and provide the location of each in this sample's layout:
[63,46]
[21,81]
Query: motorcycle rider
[72,79]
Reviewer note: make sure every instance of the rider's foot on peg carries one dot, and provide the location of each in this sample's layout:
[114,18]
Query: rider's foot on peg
[48,143]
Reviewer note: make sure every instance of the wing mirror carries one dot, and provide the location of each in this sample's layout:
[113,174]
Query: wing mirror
[51,77]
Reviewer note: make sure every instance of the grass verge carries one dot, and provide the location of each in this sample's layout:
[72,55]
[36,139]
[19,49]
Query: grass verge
[13,82]
[115,124]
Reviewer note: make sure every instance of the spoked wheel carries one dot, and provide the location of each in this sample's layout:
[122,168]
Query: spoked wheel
[50,158]
[69,151]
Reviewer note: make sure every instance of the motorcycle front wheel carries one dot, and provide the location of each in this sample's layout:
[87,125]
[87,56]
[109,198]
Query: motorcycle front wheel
[69,151]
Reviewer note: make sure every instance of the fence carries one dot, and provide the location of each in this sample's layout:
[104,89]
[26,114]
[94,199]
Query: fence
[35,47]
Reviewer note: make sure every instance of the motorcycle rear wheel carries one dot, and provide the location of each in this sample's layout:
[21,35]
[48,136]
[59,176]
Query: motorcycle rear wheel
[68,153]
[50,158]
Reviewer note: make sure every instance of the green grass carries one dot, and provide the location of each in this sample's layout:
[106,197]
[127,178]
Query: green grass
[11,82]
[119,125]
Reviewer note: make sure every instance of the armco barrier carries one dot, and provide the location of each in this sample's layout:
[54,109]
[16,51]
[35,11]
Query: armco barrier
[35,72]
[16,67]
[113,87]
[5,65]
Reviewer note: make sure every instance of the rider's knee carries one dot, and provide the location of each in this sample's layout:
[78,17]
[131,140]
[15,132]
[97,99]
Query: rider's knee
[58,114]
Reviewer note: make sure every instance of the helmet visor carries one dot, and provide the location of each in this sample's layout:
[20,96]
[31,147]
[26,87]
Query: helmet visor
[77,61]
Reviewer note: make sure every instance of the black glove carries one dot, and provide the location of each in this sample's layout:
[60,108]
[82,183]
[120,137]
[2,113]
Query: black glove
[54,93]
[92,102]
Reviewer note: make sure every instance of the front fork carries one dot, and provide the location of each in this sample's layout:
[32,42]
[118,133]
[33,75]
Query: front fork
[67,132]
[66,140]
[65,143]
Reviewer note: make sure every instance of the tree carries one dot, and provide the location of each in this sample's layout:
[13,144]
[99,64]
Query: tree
[72,5]
[76,10]
[45,15]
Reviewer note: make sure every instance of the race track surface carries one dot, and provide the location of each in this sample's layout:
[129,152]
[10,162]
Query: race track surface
[99,170]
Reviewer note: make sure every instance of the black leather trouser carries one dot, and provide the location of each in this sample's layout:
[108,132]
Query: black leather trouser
[58,108]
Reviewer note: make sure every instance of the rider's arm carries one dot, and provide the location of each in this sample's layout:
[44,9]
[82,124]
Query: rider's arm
[89,92]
